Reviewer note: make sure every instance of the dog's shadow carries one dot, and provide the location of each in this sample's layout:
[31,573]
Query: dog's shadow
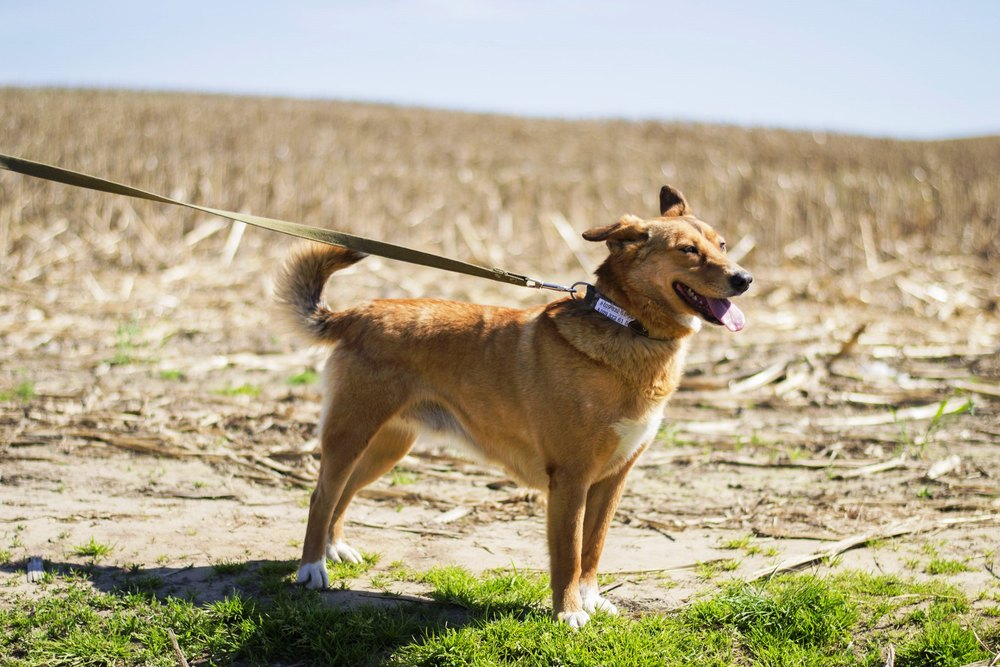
[278,606]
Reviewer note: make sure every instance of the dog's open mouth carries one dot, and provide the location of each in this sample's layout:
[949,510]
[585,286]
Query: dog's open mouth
[716,311]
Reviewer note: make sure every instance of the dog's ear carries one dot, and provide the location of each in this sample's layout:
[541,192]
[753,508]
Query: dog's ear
[672,202]
[629,229]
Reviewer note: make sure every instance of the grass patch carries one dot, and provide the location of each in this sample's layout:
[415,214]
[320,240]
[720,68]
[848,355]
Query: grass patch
[848,619]
[171,374]
[709,570]
[23,392]
[93,550]
[228,568]
[746,544]
[308,376]
[241,390]
[402,477]
[946,566]
[789,621]
[506,592]
[942,644]
[126,344]
[343,572]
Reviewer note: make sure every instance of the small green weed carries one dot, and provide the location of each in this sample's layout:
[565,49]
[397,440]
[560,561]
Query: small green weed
[241,390]
[171,374]
[126,344]
[23,392]
[401,477]
[228,568]
[709,570]
[917,445]
[308,376]
[93,550]
[745,544]
[945,566]
[669,435]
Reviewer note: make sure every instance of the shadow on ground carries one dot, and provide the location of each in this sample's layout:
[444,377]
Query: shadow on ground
[250,613]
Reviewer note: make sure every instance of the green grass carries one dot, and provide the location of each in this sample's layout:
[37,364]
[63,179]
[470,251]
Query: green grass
[918,445]
[23,392]
[499,618]
[746,544]
[241,390]
[93,550]
[341,573]
[228,568]
[171,374]
[402,477]
[126,344]
[308,376]
[709,570]
[946,566]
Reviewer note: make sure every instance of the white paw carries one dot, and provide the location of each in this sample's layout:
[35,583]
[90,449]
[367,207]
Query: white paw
[342,552]
[574,619]
[313,575]
[593,602]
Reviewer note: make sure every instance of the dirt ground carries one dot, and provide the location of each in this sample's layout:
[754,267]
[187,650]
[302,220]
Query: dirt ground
[159,414]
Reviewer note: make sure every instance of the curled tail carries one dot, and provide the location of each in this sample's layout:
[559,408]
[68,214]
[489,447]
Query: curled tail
[300,285]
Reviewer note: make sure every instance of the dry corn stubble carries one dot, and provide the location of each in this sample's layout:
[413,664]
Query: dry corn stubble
[480,187]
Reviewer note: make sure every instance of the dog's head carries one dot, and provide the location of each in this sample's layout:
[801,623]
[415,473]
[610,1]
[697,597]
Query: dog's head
[673,264]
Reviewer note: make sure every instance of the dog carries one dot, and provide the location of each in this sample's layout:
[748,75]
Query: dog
[565,397]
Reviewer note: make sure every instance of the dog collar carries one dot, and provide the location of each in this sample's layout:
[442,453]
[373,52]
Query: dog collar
[609,309]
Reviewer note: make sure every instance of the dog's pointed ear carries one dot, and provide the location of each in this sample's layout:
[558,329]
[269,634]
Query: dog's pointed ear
[672,202]
[629,229]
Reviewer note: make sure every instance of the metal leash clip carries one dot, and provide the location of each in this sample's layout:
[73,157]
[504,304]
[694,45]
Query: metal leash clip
[537,284]
[587,293]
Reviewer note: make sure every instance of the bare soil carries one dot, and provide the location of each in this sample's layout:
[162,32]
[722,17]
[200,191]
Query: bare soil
[153,412]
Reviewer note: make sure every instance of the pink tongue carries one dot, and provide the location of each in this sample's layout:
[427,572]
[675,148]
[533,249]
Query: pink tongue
[727,313]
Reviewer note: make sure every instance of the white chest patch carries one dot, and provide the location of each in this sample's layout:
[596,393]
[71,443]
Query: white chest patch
[634,433]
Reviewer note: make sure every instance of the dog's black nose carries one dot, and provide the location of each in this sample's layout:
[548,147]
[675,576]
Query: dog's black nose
[740,281]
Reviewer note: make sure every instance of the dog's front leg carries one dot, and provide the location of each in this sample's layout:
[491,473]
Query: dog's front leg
[602,501]
[566,503]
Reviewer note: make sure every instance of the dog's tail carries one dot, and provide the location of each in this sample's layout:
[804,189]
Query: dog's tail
[300,285]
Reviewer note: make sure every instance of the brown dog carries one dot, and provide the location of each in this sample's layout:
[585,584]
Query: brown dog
[564,396]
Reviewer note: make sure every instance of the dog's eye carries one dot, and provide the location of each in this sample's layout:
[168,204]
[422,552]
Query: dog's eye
[722,246]
[689,249]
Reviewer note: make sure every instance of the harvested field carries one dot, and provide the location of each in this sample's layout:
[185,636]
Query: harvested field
[148,402]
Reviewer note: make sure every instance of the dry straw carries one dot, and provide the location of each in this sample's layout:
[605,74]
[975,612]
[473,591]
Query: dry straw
[489,189]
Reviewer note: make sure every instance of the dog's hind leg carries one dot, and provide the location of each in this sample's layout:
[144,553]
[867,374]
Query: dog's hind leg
[353,415]
[602,500]
[389,445]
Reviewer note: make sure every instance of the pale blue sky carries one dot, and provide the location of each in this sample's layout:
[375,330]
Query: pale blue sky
[909,69]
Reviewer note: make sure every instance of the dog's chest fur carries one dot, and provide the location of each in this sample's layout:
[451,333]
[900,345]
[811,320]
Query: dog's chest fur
[633,434]
[655,391]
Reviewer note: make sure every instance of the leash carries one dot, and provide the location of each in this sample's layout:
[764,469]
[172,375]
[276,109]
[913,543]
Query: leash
[359,243]
[591,297]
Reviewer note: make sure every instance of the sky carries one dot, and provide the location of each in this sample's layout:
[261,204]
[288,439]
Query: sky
[914,69]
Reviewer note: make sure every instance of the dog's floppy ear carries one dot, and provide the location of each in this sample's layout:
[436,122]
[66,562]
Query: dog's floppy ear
[627,230]
[672,202]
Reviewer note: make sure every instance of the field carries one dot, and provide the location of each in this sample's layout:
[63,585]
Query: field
[157,430]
